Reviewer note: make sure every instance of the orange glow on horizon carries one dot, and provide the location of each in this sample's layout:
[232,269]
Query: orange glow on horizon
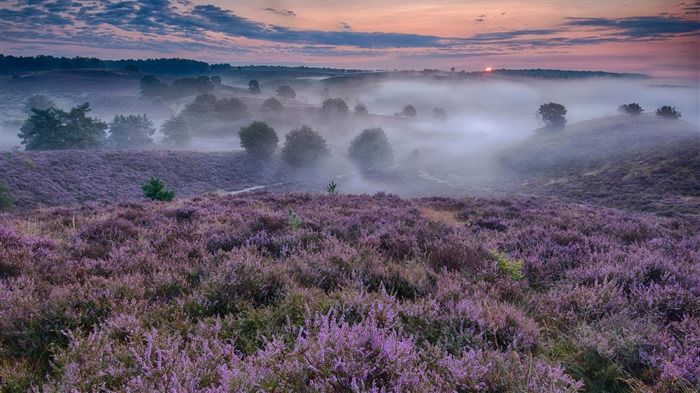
[487,69]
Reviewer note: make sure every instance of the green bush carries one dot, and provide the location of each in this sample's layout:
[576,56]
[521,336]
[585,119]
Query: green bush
[371,149]
[258,139]
[668,112]
[6,200]
[55,129]
[304,146]
[553,115]
[155,189]
[630,109]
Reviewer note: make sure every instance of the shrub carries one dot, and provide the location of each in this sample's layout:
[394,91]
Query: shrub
[131,131]
[332,187]
[552,114]
[630,109]
[155,189]
[6,200]
[272,104]
[371,149]
[259,139]
[304,146]
[668,112]
[334,107]
[510,267]
[286,92]
[175,131]
[254,86]
[361,109]
[409,111]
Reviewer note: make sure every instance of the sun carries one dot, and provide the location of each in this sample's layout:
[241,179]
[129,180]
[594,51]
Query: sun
[487,69]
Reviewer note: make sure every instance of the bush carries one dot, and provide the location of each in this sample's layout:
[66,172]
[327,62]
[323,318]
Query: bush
[254,86]
[272,104]
[175,131]
[286,92]
[371,149]
[361,109]
[409,111]
[259,139]
[55,129]
[227,109]
[334,107]
[131,131]
[155,189]
[668,112]
[552,114]
[304,146]
[6,200]
[630,109]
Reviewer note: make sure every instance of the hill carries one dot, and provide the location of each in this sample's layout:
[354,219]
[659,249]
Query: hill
[303,293]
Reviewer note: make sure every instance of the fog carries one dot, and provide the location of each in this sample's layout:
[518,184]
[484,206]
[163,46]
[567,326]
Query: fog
[484,116]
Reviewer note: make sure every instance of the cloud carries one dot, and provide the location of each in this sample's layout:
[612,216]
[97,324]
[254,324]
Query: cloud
[641,27]
[282,13]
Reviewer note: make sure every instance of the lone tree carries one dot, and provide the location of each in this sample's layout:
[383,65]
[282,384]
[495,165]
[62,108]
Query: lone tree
[38,101]
[155,189]
[258,139]
[334,107]
[227,109]
[668,112]
[55,129]
[439,113]
[371,149]
[272,104]
[131,131]
[254,86]
[175,131]
[286,92]
[304,146]
[630,109]
[361,109]
[552,114]
[409,111]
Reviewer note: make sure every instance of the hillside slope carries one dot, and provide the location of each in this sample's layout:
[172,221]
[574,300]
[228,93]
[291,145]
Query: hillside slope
[232,294]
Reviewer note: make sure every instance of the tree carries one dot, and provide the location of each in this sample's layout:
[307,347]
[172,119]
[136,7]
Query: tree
[6,200]
[334,107]
[38,101]
[668,112]
[201,109]
[131,131]
[361,109]
[286,92]
[630,109]
[153,87]
[254,86]
[175,131]
[227,109]
[216,80]
[304,146]
[258,139]
[55,129]
[155,189]
[272,104]
[439,113]
[409,111]
[371,149]
[552,114]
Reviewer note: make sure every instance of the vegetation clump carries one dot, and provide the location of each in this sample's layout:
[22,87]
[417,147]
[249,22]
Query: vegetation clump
[175,131]
[258,139]
[371,149]
[553,115]
[631,109]
[272,104]
[131,131]
[409,111]
[254,86]
[155,189]
[668,112]
[334,108]
[55,129]
[6,199]
[286,92]
[304,146]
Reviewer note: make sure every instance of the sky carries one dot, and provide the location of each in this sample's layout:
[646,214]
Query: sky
[655,37]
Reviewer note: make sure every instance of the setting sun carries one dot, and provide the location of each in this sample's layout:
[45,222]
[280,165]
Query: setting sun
[487,69]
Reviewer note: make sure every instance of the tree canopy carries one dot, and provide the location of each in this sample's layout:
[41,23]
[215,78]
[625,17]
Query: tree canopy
[409,111]
[258,139]
[668,112]
[286,92]
[131,131]
[630,109]
[175,131]
[334,107]
[254,86]
[371,149]
[55,129]
[304,146]
[552,114]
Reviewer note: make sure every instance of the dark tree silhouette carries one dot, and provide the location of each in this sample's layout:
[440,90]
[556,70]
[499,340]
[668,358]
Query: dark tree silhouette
[361,109]
[630,109]
[304,146]
[286,92]
[175,131]
[258,139]
[552,114]
[55,129]
[371,149]
[334,107]
[668,112]
[272,104]
[409,111]
[254,86]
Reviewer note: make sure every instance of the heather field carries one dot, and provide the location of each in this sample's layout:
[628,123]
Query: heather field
[300,292]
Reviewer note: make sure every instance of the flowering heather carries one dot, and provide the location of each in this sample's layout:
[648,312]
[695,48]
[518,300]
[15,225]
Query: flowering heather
[366,293]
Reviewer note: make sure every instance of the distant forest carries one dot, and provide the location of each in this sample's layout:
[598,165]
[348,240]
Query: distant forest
[13,64]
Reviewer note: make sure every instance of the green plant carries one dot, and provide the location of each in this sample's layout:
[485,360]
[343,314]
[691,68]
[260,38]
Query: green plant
[131,131]
[332,187]
[259,139]
[155,189]
[175,131]
[294,222]
[304,146]
[371,149]
[6,200]
[508,266]
[55,129]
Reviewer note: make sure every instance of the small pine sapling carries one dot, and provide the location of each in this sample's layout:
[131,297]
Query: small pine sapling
[155,189]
